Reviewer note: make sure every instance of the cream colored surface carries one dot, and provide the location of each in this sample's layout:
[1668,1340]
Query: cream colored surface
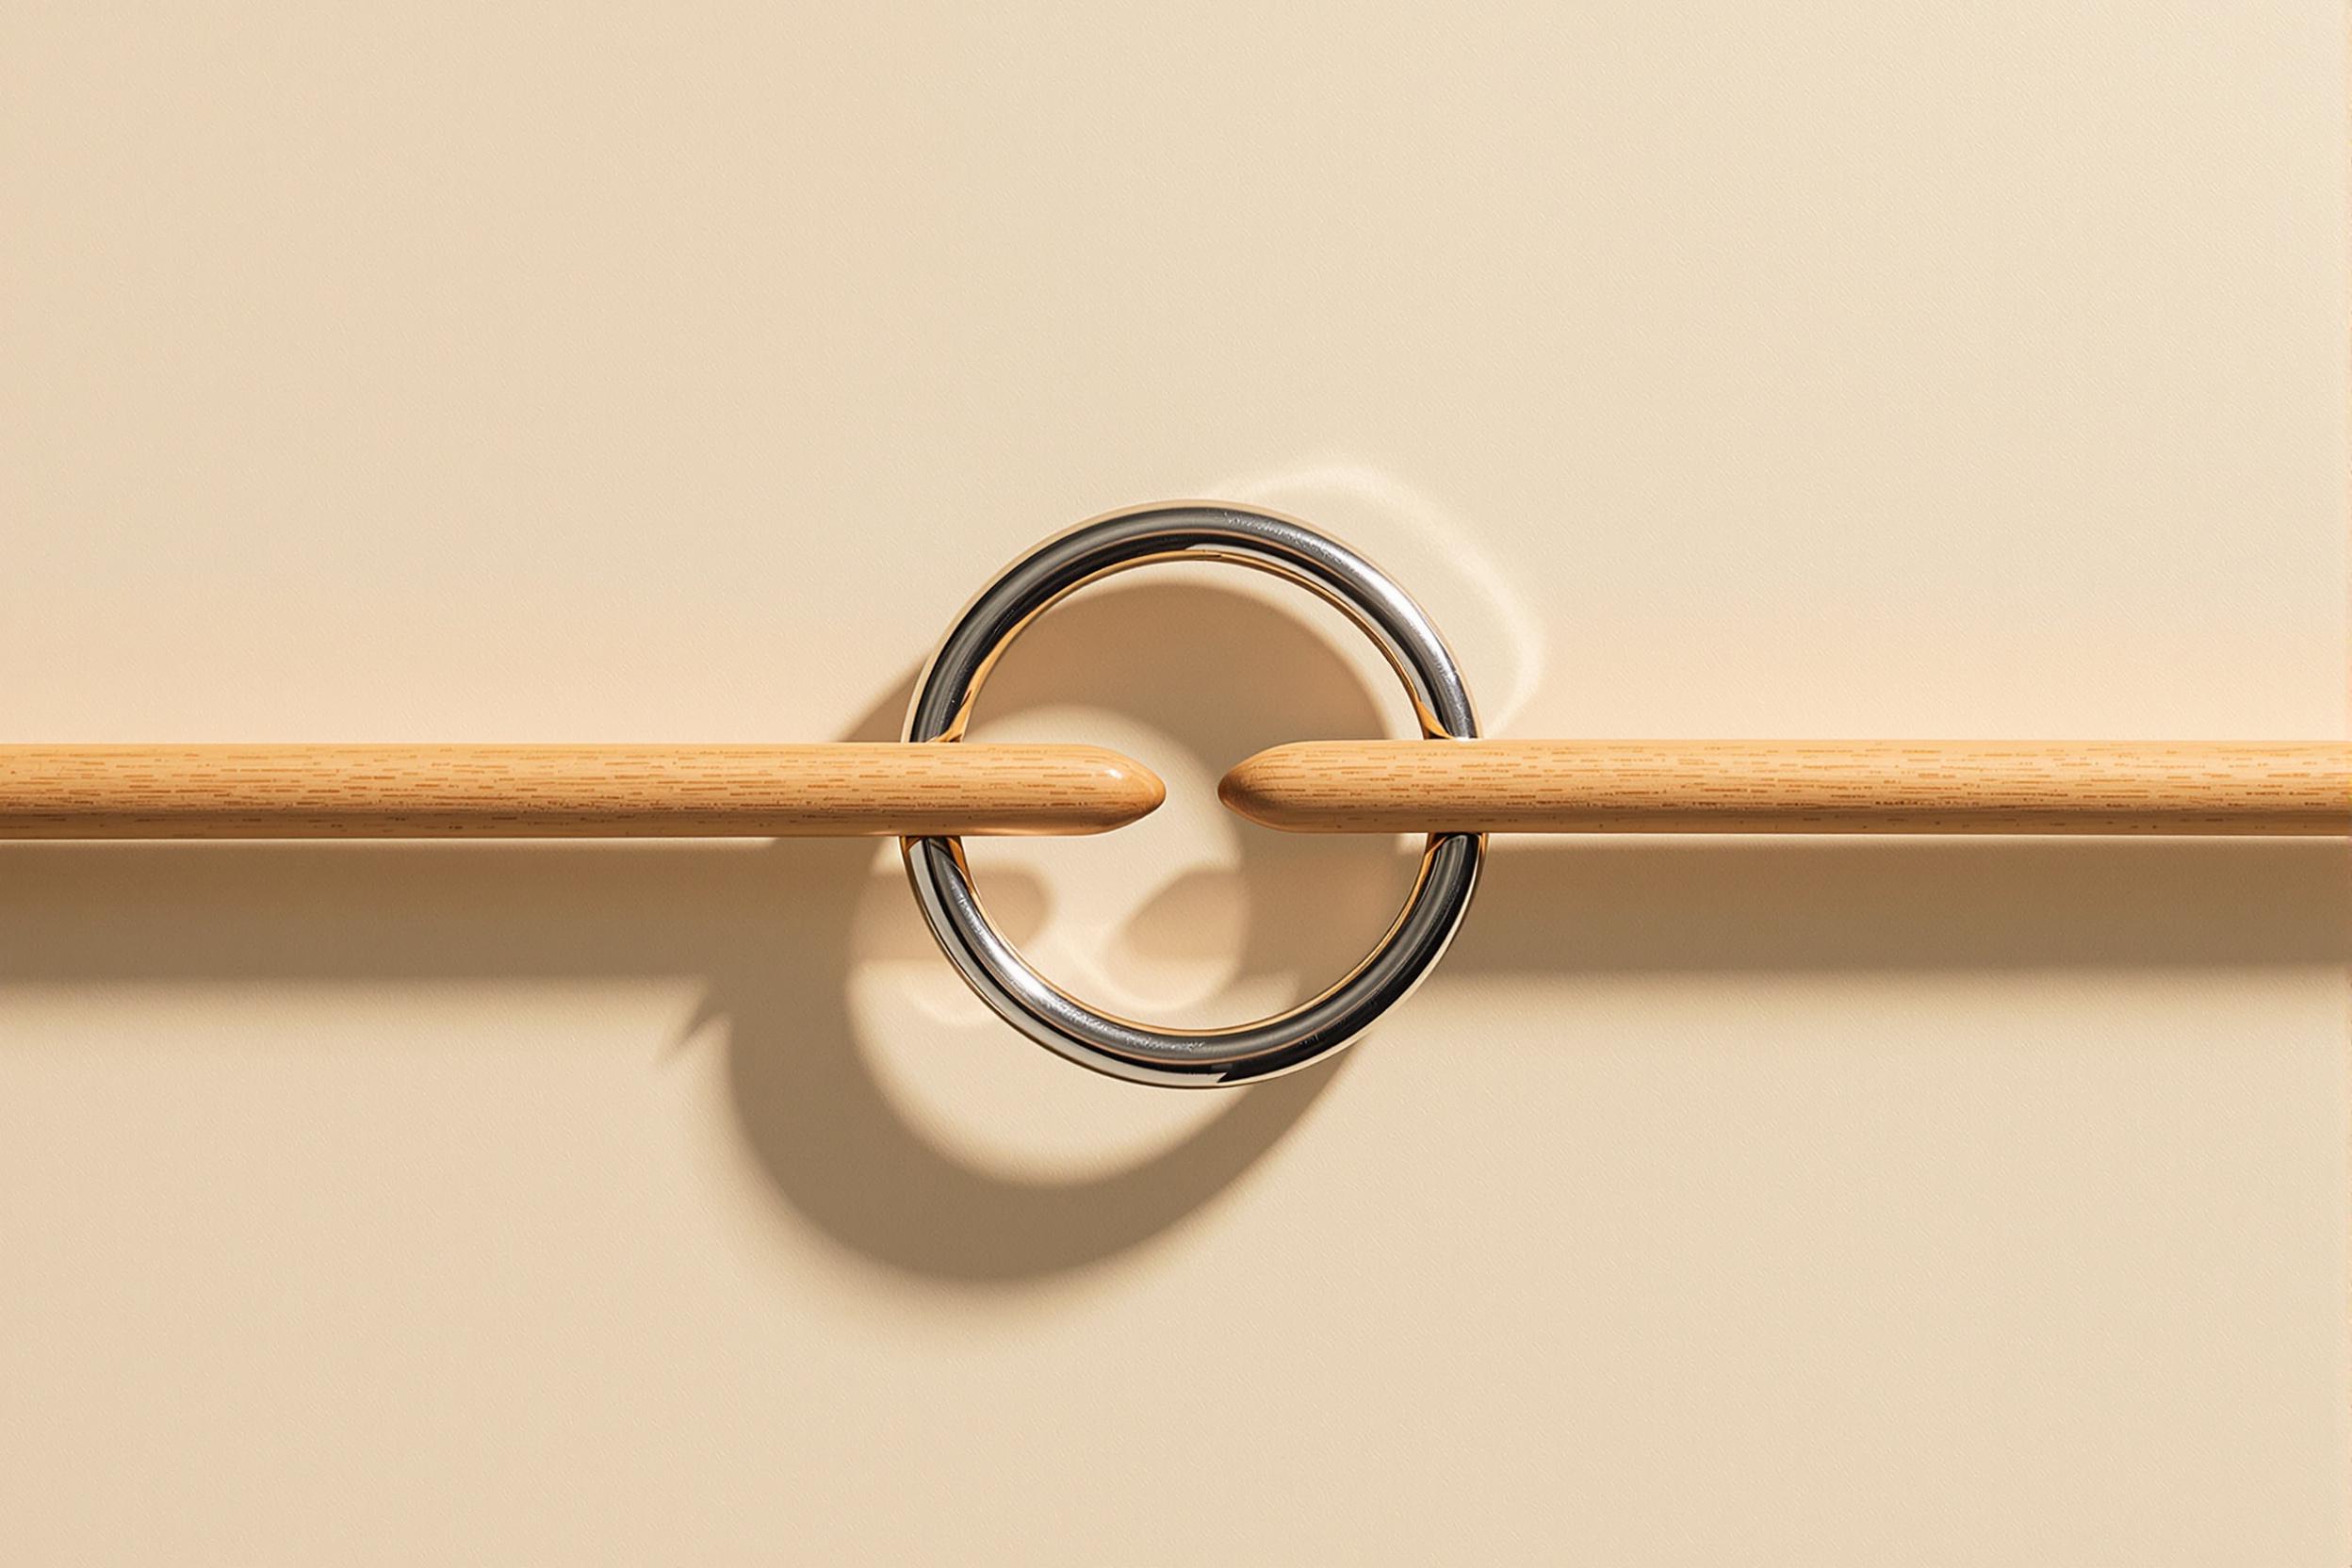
[439,372]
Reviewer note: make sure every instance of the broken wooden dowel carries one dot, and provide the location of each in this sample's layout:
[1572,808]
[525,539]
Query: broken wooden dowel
[2093,787]
[853,789]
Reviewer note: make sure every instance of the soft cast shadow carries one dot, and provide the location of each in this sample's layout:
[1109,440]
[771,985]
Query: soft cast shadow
[768,928]
[1692,904]
[1599,904]
[1218,674]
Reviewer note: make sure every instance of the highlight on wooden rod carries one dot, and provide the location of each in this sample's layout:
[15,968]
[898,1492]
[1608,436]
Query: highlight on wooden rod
[847,789]
[2093,787]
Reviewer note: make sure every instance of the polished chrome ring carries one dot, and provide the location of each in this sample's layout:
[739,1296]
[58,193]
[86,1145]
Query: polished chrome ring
[1192,531]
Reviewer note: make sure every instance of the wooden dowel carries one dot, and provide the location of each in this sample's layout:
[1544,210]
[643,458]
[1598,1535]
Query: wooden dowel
[2118,787]
[420,792]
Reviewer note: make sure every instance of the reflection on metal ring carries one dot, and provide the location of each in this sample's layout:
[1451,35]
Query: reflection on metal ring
[1192,531]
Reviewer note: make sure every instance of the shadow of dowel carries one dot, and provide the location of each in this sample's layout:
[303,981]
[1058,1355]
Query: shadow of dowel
[125,914]
[1596,905]
[1894,904]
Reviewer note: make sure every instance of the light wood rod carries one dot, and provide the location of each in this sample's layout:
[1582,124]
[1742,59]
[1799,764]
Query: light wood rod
[2101,787]
[507,791]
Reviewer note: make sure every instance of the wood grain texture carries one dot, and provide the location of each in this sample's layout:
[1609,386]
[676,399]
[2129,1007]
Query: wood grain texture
[2113,787]
[417,791]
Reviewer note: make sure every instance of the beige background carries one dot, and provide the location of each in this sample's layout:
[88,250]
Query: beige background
[521,373]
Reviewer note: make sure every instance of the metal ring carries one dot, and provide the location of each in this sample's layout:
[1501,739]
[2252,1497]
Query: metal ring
[1142,1053]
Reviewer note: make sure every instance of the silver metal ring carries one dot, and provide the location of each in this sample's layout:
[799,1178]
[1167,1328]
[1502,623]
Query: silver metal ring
[1192,531]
